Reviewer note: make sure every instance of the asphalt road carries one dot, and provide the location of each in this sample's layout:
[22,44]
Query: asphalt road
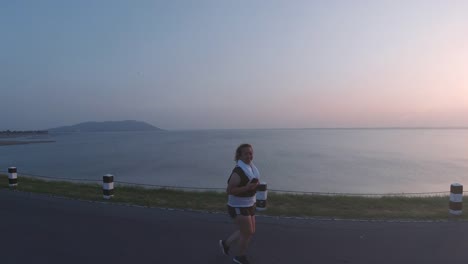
[40,229]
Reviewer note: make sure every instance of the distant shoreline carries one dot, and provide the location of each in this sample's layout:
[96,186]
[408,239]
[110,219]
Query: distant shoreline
[20,133]
[10,143]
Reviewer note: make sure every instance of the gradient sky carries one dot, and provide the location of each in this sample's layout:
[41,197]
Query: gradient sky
[234,64]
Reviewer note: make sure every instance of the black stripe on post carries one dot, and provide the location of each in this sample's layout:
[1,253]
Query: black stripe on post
[261,187]
[455,206]
[12,170]
[12,181]
[108,192]
[107,179]
[456,189]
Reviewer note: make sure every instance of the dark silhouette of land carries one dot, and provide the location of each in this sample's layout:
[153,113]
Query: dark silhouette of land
[107,126]
[7,135]
[41,229]
[22,133]
[14,142]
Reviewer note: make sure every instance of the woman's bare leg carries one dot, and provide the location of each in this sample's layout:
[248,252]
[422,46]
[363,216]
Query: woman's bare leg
[252,219]
[246,232]
[233,237]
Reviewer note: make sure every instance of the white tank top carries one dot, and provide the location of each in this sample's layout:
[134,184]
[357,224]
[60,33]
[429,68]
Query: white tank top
[236,201]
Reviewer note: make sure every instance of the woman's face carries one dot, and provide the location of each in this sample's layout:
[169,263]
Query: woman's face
[246,155]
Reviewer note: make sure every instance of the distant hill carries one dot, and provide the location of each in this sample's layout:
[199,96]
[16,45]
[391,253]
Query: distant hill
[107,126]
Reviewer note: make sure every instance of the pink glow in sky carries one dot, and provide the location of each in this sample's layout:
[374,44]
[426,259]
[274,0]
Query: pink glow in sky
[241,64]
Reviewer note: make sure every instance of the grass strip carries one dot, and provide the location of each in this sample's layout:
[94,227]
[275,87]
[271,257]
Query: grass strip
[300,205]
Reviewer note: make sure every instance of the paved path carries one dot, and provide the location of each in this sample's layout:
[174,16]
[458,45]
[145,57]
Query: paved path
[41,229]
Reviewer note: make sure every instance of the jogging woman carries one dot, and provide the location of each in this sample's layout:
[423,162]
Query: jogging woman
[241,191]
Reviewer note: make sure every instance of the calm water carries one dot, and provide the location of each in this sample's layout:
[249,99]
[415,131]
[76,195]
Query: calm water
[320,160]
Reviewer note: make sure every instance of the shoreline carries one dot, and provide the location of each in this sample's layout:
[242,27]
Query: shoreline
[17,142]
[278,204]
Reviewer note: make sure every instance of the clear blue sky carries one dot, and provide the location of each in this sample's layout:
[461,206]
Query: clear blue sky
[234,64]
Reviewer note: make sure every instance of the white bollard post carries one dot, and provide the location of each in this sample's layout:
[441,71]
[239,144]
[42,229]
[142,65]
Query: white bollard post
[108,186]
[456,199]
[12,177]
[262,194]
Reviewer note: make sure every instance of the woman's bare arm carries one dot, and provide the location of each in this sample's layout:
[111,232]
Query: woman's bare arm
[233,188]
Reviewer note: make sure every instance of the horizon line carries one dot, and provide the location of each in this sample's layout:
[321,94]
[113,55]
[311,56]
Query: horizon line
[298,128]
[330,128]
